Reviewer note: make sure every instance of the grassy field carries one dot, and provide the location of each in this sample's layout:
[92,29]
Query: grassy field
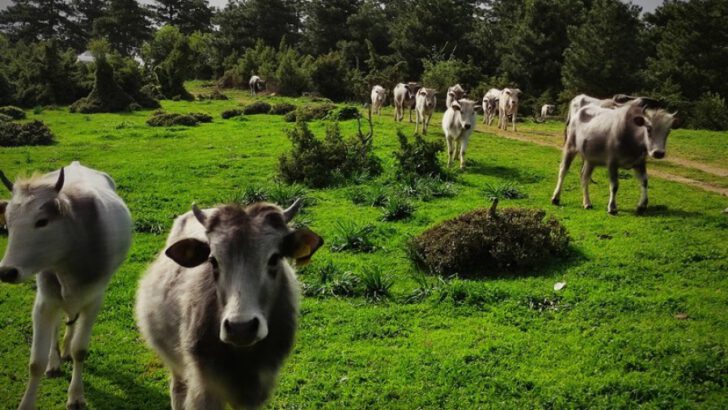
[643,320]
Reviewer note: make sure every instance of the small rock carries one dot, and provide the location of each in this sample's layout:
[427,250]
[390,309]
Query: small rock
[559,285]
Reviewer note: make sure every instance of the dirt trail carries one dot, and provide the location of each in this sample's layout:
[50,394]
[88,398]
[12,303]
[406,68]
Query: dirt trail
[519,136]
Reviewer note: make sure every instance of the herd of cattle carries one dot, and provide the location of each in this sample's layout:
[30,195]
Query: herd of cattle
[220,304]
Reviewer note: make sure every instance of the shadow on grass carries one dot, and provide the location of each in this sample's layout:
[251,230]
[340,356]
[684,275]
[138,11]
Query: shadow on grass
[135,395]
[504,172]
[663,210]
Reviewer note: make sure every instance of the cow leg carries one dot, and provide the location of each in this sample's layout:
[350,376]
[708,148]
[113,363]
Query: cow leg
[79,351]
[177,392]
[410,112]
[586,173]
[45,315]
[66,345]
[417,121]
[197,397]
[640,171]
[514,122]
[613,187]
[567,156]
[450,151]
[463,147]
[427,123]
[53,369]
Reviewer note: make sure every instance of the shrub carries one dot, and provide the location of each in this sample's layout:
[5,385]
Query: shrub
[482,242]
[32,133]
[345,113]
[503,190]
[319,163]
[201,116]
[329,74]
[291,77]
[376,284]
[106,95]
[5,118]
[231,113]
[214,95]
[418,159]
[311,112]
[162,119]
[258,107]
[353,237]
[13,112]
[445,73]
[397,208]
[710,112]
[282,108]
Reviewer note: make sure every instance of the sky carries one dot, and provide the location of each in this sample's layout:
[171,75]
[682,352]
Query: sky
[647,5]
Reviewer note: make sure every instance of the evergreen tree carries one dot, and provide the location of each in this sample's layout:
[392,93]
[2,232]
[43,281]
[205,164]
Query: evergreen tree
[125,24]
[187,15]
[325,24]
[242,23]
[34,20]
[87,11]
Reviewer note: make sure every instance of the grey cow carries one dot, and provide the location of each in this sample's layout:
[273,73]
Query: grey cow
[220,305]
[616,138]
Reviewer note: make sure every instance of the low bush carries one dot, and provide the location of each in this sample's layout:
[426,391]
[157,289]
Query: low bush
[5,118]
[201,116]
[483,242]
[231,113]
[710,113]
[13,112]
[418,159]
[428,188]
[397,208]
[344,113]
[353,237]
[32,133]
[162,119]
[106,95]
[258,107]
[311,112]
[282,108]
[376,284]
[319,163]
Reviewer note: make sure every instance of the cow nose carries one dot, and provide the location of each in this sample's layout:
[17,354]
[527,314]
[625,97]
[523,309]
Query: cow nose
[9,275]
[659,154]
[466,126]
[242,332]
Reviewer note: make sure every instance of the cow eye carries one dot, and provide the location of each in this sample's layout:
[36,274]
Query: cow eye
[41,223]
[274,259]
[215,267]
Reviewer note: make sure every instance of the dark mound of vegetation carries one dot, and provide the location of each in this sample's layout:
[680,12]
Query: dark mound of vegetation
[106,96]
[163,119]
[484,242]
[310,112]
[32,133]
[258,107]
[231,113]
[201,116]
[13,112]
[345,113]
[214,95]
[319,163]
[418,159]
[5,118]
[282,108]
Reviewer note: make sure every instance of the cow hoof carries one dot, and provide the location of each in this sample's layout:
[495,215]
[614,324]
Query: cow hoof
[53,373]
[77,404]
[641,210]
[588,206]
[612,212]
[555,201]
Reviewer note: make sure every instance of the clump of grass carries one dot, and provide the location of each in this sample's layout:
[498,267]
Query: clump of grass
[201,116]
[162,119]
[329,280]
[503,190]
[31,133]
[376,285]
[397,208]
[252,194]
[13,112]
[149,226]
[235,112]
[350,236]
[428,188]
[214,95]
[282,108]
[258,107]
[284,195]
[375,195]
[310,112]
[344,113]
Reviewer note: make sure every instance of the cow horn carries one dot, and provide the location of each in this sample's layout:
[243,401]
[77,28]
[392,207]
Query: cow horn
[199,215]
[6,182]
[61,180]
[292,210]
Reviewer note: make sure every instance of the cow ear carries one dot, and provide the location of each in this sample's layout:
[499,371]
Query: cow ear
[639,121]
[189,252]
[300,245]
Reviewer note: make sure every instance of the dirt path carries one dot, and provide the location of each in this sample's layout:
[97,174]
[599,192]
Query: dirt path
[519,136]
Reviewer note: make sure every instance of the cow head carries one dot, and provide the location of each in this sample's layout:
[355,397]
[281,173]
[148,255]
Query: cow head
[429,95]
[248,252]
[465,111]
[511,96]
[655,126]
[37,221]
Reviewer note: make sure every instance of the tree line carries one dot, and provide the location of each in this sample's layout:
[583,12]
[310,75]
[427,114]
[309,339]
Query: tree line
[551,49]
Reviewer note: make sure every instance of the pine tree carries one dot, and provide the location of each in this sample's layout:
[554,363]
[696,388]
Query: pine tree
[187,15]
[34,20]
[125,24]
[243,23]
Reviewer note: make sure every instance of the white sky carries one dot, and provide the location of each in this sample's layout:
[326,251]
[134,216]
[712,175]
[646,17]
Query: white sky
[647,5]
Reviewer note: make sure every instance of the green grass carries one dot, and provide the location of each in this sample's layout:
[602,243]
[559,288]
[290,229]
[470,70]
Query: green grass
[610,339]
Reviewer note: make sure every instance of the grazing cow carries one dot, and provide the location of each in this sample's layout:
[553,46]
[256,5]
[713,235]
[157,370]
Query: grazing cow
[256,84]
[424,107]
[458,123]
[379,95]
[490,105]
[404,97]
[454,93]
[71,230]
[617,138]
[220,305]
[508,107]
[546,110]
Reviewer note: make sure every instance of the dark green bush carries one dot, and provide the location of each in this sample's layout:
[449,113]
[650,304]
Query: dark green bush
[319,163]
[329,76]
[710,113]
[201,116]
[484,242]
[311,112]
[31,133]
[258,107]
[352,237]
[13,112]
[376,284]
[418,159]
[345,113]
[290,117]
[397,208]
[231,113]
[169,119]
[282,109]
[106,95]
[5,118]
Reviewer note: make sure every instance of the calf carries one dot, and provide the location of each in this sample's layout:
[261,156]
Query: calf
[546,110]
[458,123]
[256,84]
[424,107]
[220,305]
[379,95]
[454,93]
[490,105]
[71,230]
[618,138]
[508,107]
[404,97]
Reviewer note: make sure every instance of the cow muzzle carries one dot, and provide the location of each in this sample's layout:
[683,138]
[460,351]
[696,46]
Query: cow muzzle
[243,332]
[9,275]
[658,154]
[466,126]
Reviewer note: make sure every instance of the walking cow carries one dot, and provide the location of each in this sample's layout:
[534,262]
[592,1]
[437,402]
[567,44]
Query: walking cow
[424,107]
[490,105]
[404,97]
[220,304]
[71,230]
[379,95]
[508,107]
[256,84]
[458,123]
[617,138]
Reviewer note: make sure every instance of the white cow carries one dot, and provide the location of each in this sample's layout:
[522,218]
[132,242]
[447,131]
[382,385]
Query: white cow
[426,100]
[508,107]
[256,84]
[404,97]
[546,110]
[454,93]
[379,96]
[490,105]
[71,230]
[458,123]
